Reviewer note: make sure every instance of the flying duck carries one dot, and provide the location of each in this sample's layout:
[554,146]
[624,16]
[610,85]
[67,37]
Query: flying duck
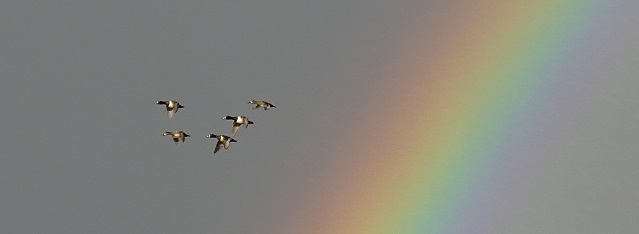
[171,107]
[177,135]
[222,140]
[238,121]
[263,104]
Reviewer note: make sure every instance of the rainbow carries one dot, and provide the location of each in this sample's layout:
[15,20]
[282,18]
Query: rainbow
[464,99]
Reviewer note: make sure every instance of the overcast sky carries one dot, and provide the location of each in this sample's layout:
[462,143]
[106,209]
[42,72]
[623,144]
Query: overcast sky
[82,149]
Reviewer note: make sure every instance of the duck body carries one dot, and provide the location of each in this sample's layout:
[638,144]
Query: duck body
[177,136]
[261,104]
[172,107]
[238,121]
[222,141]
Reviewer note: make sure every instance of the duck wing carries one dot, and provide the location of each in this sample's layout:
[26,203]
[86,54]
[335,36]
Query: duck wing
[235,128]
[217,146]
[169,113]
[227,143]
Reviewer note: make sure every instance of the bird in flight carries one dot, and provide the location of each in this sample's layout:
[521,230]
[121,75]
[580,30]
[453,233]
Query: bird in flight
[237,122]
[172,107]
[222,141]
[263,104]
[177,135]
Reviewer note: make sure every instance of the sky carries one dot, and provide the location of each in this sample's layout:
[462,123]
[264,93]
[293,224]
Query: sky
[83,151]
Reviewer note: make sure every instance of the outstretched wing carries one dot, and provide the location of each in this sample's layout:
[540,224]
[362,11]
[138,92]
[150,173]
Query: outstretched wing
[227,143]
[170,112]
[235,128]
[217,146]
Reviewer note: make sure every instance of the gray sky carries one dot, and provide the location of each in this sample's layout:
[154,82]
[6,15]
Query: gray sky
[83,152]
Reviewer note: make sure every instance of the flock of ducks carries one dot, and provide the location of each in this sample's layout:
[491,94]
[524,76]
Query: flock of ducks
[172,107]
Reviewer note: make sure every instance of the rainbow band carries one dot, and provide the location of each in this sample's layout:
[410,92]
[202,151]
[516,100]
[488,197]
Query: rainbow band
[465,122]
